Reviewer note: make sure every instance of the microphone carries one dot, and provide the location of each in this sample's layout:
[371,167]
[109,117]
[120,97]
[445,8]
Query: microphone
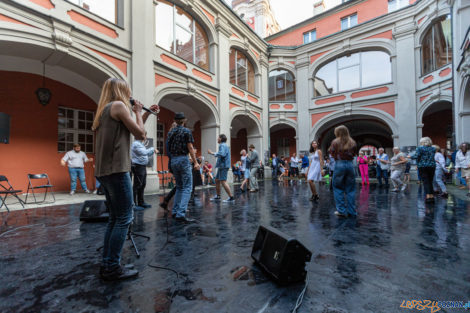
[132,101]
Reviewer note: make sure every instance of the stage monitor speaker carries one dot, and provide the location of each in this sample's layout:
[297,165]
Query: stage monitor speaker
[4,128]
[94,211]
[281,256]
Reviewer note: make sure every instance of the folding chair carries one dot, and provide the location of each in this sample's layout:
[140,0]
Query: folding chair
[31,187]
[6,189]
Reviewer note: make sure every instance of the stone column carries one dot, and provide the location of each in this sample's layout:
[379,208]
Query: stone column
[264,139]
[142,73]
[419,132]
[209,134]
[405,105]
[303,82]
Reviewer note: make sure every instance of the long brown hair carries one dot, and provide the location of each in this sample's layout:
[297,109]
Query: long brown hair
[343,140]
[114,89]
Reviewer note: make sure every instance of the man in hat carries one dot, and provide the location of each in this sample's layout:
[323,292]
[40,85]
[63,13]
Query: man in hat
[180,143]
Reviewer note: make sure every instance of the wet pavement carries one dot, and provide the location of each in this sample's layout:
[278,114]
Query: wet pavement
[397,249]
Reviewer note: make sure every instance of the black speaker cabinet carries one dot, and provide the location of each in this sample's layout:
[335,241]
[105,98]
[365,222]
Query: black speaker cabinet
[4,128]
[281,256]
[94,211]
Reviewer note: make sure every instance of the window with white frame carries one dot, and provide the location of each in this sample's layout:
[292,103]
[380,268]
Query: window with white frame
[349,21]
[394,5]
[160,141]
[310,36]
[74,126]
[104,8]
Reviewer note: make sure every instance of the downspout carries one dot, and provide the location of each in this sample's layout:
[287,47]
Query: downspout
[454,139]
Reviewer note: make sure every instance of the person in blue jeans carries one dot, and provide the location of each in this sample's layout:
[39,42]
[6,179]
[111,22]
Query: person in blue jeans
[383,165]
[180,144]
[343,149]
[222,165]
[75,160]
[113,125]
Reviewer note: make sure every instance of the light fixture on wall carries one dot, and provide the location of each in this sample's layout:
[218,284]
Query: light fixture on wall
[43,94]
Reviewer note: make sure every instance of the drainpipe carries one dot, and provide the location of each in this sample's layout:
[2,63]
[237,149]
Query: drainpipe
[454,139]
[270,48]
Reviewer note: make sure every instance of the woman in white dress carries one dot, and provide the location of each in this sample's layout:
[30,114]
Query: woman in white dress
[315,169]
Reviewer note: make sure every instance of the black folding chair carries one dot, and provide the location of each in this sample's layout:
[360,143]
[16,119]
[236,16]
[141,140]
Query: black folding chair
[7,189]
[32,187]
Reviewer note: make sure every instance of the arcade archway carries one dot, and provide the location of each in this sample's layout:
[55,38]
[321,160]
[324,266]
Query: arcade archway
[244,131]
[438,124]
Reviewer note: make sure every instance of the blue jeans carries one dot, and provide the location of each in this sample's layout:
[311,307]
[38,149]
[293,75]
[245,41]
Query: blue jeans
[438,182]
[382,174]
[74,172]
[182,171]
[344,187]
[462,180]
[118,191]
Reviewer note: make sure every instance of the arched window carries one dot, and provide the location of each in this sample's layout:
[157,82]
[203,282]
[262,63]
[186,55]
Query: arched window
[357,70]
[281,86]
[242,73]
[436,47]
[178,32]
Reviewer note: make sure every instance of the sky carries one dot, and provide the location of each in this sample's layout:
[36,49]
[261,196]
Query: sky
[290,12]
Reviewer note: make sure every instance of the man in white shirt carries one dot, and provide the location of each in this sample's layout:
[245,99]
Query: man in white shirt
[462,163]
[294,165]
[383,165]
[76,159]
[140,155]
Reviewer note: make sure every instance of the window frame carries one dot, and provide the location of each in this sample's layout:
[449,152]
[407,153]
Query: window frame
[360,52]
[309,33]
[117,7]
[246,70]
[398,4]
[294,81]
[348,18]
[192,32]
[75,131]
[449,56]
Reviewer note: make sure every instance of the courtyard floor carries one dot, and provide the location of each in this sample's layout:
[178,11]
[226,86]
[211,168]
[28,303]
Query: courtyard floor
[398,249]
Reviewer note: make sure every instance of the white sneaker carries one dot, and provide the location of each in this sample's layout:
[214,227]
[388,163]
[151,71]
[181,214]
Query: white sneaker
[216,198]
[95,192]
[403,187]
[229,200]
[72,192]
[87,191]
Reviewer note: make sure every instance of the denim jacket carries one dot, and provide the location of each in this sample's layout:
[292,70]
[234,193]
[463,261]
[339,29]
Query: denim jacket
[223,156]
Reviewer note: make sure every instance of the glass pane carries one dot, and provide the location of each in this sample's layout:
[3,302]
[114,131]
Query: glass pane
[272,86]
[81,138]
[290,87]
[184,44]
[202,48]
[70,124]
[183,19]
[88,125]
[61,112]
[62,122]
[241,71]
[89,148]
[306,38]
[81,125]
[426,52]
[344,23]
[60,146]
[232,56]
[376,68]
[70,113]
[348,60]
[89,116]
[164,25]
[69,146]
[353,20]
[89,138]
[348,78]
[442,43]
[61,137]
[81,115]
[325,80]
[251,78]
[70,137]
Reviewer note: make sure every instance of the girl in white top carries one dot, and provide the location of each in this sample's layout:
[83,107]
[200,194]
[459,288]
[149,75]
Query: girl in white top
[315,170]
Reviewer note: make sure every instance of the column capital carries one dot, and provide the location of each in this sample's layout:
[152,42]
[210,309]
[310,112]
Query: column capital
[420,125]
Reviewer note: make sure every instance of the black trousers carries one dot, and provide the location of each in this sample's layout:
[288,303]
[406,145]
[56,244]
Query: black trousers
[427,176]
[170,195]
[140,180]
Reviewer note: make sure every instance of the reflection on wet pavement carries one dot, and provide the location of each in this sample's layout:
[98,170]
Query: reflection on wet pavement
[397,249]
